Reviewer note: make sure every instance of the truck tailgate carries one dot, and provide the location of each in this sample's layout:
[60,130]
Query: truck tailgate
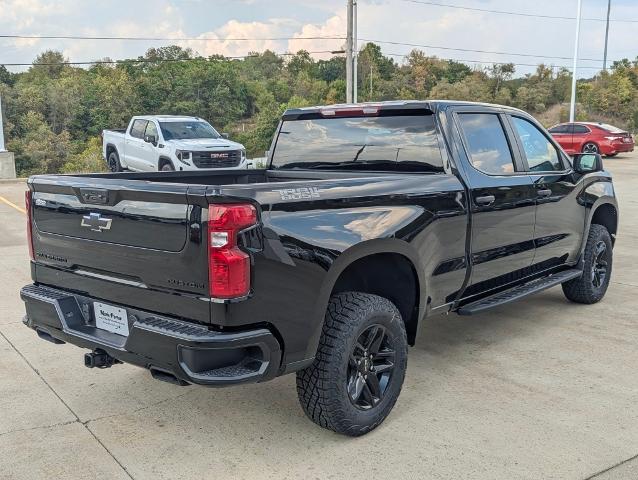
[138,240]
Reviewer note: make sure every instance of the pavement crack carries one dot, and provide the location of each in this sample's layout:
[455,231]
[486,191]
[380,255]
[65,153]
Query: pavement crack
[597,474]
[140,409]
[18,430]
[77,418]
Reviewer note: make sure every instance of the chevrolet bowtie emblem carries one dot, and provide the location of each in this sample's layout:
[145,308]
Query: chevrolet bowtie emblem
[96,222]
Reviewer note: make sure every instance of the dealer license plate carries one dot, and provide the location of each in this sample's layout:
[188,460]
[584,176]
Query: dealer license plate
[110,318]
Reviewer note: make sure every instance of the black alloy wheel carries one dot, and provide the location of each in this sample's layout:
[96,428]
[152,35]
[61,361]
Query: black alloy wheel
[370,368]
[599,265]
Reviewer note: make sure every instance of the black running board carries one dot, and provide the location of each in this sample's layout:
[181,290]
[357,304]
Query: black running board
[519,292]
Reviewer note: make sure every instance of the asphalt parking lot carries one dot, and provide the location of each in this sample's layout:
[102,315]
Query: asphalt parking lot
[540,389]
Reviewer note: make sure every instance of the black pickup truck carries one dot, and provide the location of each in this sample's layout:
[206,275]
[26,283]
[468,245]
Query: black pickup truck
[368,219]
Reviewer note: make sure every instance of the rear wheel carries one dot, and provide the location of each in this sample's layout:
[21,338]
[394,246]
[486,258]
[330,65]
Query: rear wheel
[592,285]
[114,162]
[357,375]
[590,147]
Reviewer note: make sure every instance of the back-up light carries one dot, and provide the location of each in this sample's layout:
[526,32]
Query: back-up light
[27,206]
[228,265]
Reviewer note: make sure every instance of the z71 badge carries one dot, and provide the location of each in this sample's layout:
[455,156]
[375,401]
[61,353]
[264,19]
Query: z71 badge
[303,193]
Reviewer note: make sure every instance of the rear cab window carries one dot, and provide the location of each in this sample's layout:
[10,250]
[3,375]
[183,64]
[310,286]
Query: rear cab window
[382,143]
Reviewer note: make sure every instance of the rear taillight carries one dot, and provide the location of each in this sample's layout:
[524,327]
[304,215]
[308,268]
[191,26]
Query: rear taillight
[27,205]
[228,265]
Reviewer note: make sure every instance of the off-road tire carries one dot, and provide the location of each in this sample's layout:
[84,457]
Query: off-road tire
[322,387]
[114,162]
[583,288]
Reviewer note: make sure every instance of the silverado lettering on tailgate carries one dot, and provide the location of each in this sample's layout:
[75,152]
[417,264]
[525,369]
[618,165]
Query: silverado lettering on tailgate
[303,193]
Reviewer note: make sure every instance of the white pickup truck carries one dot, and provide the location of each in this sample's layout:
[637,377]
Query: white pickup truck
[169,143]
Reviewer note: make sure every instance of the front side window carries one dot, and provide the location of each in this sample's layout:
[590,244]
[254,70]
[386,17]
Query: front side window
[187,130]
[398,142]
[558,129]
[541,155]
[151,129]
[137,130]
[488,147]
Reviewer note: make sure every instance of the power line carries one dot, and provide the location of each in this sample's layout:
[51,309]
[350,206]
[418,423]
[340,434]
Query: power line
[172,39]
[519,14]
[568,67]
[148,60]
[437,47]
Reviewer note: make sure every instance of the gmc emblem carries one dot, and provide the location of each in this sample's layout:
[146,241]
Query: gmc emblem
[218,155]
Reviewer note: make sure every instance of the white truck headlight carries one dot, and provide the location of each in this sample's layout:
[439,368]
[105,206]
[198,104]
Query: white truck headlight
[183,156]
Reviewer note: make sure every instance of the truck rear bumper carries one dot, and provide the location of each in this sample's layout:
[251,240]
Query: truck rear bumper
[173,350]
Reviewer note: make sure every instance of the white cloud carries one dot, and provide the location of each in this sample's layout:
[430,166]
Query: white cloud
[334,26]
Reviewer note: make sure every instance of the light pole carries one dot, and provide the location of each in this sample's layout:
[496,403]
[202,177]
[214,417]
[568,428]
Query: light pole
[606,35]
[572,107]
[355,55]
[349,45]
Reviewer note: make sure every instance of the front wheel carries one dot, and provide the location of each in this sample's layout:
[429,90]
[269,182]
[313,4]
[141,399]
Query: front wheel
[590,147]
[358,371]
[592,285]
[167,167]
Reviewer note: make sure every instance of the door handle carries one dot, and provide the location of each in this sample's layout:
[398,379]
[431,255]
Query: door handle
[545,192]
[485,200]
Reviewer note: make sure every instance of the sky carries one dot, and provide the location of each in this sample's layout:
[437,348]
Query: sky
[204,24]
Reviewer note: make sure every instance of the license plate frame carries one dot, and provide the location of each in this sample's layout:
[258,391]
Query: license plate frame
[111,318]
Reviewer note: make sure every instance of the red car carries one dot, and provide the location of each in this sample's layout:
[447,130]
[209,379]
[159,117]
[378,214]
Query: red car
[590,137]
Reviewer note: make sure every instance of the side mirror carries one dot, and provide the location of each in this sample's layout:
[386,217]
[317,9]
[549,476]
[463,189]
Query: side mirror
[150,139]
[588,163]
[226,136]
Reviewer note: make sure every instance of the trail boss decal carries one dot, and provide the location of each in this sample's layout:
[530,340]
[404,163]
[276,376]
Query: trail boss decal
[303,193]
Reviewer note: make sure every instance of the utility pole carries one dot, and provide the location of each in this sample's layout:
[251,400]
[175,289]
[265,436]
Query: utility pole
[349,45]
[355,55]
[572,107]
[1,130]
[606,35]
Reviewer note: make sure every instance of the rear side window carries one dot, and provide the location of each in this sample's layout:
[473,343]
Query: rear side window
[488,147]
[581,129]
[541,155]
[394,143]
[138,128]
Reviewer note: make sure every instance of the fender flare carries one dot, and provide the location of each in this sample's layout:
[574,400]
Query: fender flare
[347,258]
[605,196]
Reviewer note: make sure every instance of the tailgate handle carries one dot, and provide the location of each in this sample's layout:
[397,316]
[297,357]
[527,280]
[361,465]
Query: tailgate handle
[95,196]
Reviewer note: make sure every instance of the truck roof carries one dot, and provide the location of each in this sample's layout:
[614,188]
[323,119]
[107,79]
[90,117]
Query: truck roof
[167,118]
[431,105]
